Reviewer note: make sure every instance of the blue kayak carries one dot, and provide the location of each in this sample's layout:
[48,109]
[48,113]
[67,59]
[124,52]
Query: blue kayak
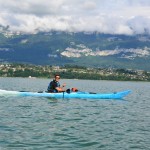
[77,95]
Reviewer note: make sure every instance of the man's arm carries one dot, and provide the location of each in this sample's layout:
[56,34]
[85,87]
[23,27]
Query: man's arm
[61,89]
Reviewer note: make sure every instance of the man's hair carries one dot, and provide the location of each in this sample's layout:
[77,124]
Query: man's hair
[57,75]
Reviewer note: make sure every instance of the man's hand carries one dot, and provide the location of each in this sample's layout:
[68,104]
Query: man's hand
[64,85]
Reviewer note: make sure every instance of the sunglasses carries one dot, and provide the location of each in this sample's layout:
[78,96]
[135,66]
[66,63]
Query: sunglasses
[57,77]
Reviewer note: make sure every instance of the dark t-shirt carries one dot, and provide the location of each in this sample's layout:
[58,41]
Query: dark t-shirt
[52,86]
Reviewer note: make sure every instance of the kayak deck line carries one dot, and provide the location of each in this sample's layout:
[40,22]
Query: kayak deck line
[79,95]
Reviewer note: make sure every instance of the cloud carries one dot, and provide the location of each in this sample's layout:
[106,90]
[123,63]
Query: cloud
[109,16]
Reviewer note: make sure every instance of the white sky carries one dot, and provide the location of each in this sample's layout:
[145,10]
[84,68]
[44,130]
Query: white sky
[104,16]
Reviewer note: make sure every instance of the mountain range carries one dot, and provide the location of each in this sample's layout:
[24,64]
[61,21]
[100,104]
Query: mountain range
[81,48]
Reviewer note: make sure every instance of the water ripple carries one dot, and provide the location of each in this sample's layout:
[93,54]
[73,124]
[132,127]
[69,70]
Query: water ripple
[35,123]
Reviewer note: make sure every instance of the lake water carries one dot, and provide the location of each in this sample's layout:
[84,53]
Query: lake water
[28,123]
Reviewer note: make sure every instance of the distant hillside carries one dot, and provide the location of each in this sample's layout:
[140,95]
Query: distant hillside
[85,49]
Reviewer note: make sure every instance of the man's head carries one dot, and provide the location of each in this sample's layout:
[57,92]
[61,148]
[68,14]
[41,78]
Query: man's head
[57,77]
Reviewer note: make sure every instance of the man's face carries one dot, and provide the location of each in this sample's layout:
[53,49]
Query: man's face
[57,78]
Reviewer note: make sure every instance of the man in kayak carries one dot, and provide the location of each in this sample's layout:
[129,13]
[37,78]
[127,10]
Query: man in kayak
[54,86]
